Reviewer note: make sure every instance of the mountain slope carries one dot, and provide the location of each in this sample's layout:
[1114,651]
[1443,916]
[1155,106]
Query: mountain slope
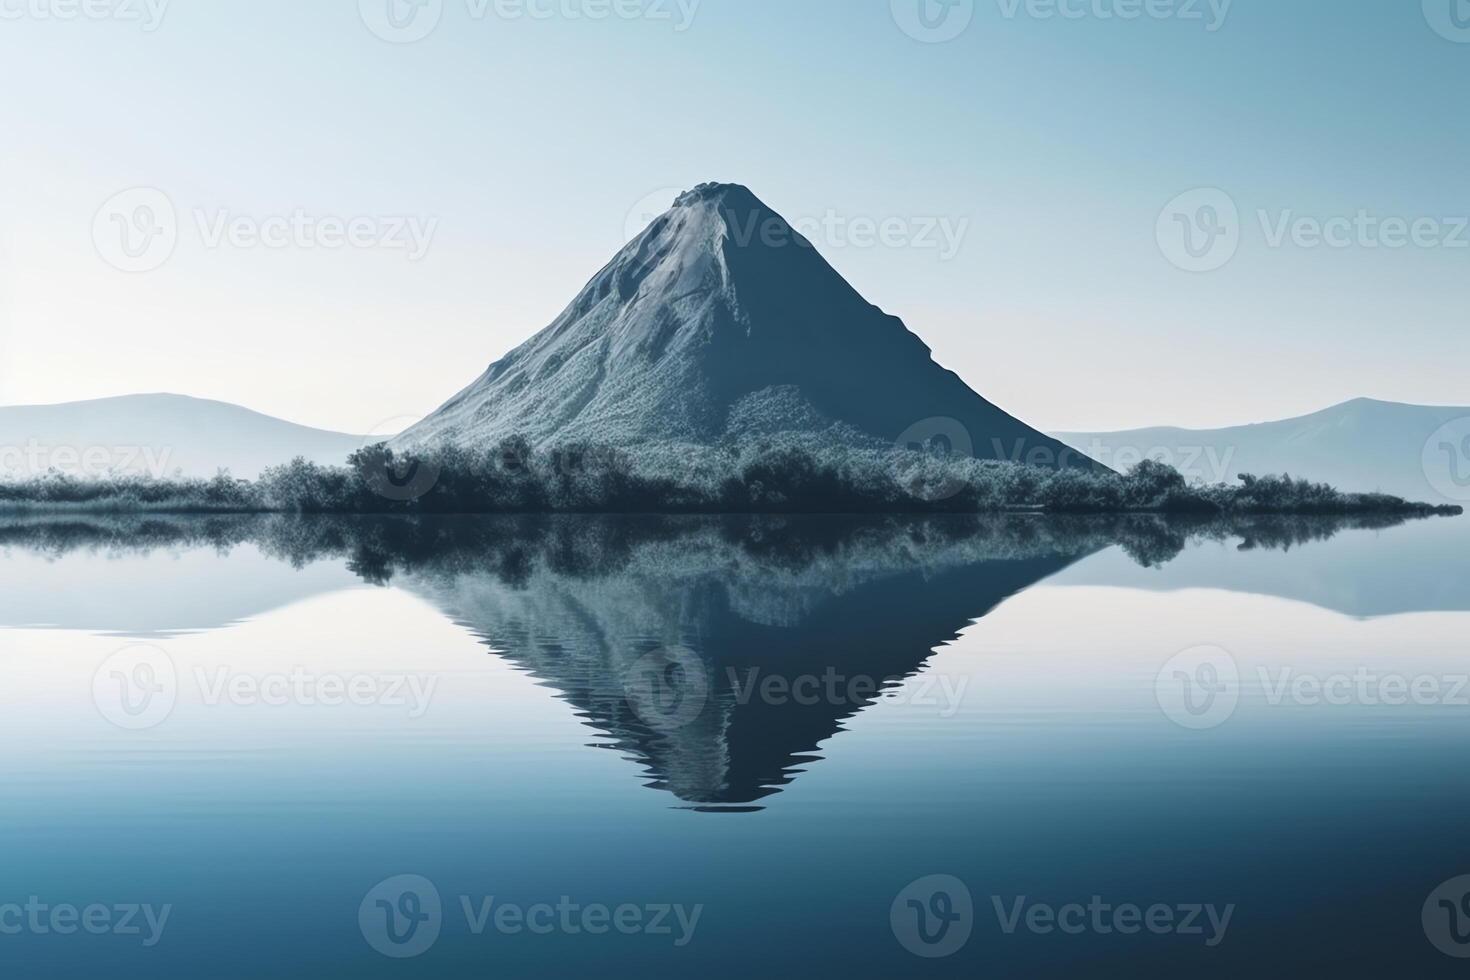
[1358,445]
[157,435]
[721,321]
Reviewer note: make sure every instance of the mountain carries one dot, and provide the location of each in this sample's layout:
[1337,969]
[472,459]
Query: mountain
[720,321]
[1358,445]
[157,435]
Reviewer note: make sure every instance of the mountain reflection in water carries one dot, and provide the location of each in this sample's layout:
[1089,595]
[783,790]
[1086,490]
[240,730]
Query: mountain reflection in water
[718,654]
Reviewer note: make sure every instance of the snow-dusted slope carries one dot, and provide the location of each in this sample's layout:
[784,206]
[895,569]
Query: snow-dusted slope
[721,320]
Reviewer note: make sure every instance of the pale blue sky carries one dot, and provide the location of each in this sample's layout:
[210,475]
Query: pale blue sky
[1054,143]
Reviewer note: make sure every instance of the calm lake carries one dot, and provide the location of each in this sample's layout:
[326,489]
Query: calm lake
[1029,747]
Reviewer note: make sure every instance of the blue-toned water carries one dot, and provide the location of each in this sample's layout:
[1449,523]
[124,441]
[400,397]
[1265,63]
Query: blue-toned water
[637,747]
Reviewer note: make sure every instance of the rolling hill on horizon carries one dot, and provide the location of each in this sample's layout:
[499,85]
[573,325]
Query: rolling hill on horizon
[1360,445]
[158,435]
[720,322]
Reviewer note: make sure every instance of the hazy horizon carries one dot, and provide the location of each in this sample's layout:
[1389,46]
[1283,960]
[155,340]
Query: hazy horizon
[1025,246]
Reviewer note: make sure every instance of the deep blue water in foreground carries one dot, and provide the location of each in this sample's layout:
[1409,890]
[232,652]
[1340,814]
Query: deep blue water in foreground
[713,749]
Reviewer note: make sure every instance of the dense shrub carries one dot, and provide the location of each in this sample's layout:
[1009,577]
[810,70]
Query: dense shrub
[773,475]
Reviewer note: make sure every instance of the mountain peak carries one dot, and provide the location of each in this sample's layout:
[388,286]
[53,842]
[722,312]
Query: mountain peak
[719,323]
[735,194]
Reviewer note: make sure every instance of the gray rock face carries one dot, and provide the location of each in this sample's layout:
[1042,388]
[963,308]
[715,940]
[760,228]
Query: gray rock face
[720,321]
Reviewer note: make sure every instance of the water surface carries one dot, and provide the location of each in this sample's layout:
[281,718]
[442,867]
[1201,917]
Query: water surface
[775,727]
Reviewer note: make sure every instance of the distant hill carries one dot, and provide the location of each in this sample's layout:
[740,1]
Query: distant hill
[158,435]
[720,322]
[1360,445]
